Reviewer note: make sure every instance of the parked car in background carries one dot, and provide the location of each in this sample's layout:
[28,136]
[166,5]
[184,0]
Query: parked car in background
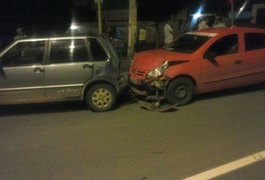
[199,62]
[61,68]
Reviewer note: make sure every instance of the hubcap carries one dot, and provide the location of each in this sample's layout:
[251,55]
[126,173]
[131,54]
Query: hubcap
[181,92]
[101,98]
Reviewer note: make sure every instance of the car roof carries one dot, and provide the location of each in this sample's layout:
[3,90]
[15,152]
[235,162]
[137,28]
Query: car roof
[62,36]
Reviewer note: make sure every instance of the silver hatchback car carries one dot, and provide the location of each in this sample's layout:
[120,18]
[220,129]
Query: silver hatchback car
[65,68]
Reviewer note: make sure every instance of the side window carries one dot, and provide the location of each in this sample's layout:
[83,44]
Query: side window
[225,45]
[65,51]
[254,41]
[23,54]
[97,50]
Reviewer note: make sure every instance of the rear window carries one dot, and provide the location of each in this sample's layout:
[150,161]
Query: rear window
[97,50]
[188,43]
[254,41]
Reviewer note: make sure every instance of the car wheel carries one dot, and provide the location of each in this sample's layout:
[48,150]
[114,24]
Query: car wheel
[101,97]
[180,91]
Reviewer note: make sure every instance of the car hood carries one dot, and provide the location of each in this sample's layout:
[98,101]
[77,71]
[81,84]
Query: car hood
[149,60]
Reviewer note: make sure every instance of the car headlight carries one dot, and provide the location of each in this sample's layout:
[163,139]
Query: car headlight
[158,71]
[132,61]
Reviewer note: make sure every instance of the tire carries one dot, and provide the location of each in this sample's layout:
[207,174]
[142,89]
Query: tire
[180,91]
[101,97]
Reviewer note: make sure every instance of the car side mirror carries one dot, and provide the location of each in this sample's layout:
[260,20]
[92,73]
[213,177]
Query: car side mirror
[2,72]
[210,55]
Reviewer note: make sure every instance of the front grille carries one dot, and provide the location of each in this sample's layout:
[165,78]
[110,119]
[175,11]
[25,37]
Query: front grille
[139,73]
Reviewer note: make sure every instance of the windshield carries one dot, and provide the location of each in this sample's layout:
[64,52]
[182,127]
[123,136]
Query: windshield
[188,43]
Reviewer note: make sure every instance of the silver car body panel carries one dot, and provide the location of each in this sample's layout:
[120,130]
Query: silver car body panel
[66,80]
[28,88]
[48,82]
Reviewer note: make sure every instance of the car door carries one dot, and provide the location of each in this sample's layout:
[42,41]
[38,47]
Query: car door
[68,69]
[22,73]
[221,66]
[254,57]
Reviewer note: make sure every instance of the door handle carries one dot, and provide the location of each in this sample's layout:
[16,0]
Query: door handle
[88,66]
[238,62]
[38,70]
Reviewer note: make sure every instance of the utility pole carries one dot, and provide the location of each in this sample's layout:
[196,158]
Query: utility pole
[132,26]
[232,13]
[99,10]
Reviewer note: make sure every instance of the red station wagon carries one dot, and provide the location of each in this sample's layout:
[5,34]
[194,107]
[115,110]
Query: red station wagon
[199,62]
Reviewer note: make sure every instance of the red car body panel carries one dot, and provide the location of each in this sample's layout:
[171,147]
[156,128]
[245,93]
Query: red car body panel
[149,60]
[230,70]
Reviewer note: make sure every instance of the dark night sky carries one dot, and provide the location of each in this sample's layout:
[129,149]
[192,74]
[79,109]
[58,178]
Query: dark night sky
[34,15]
[61,10]
[50,14]
[34,10]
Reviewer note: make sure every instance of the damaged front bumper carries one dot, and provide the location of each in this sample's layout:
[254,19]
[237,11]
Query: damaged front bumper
[151,93]
[149,89]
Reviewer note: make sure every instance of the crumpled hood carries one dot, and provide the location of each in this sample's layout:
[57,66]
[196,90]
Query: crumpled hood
[149,60]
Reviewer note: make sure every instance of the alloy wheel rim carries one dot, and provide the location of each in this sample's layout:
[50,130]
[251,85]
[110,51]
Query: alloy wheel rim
[101,98]
[181,92]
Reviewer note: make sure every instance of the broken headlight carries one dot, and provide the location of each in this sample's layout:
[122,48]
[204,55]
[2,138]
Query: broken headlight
[158,71]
